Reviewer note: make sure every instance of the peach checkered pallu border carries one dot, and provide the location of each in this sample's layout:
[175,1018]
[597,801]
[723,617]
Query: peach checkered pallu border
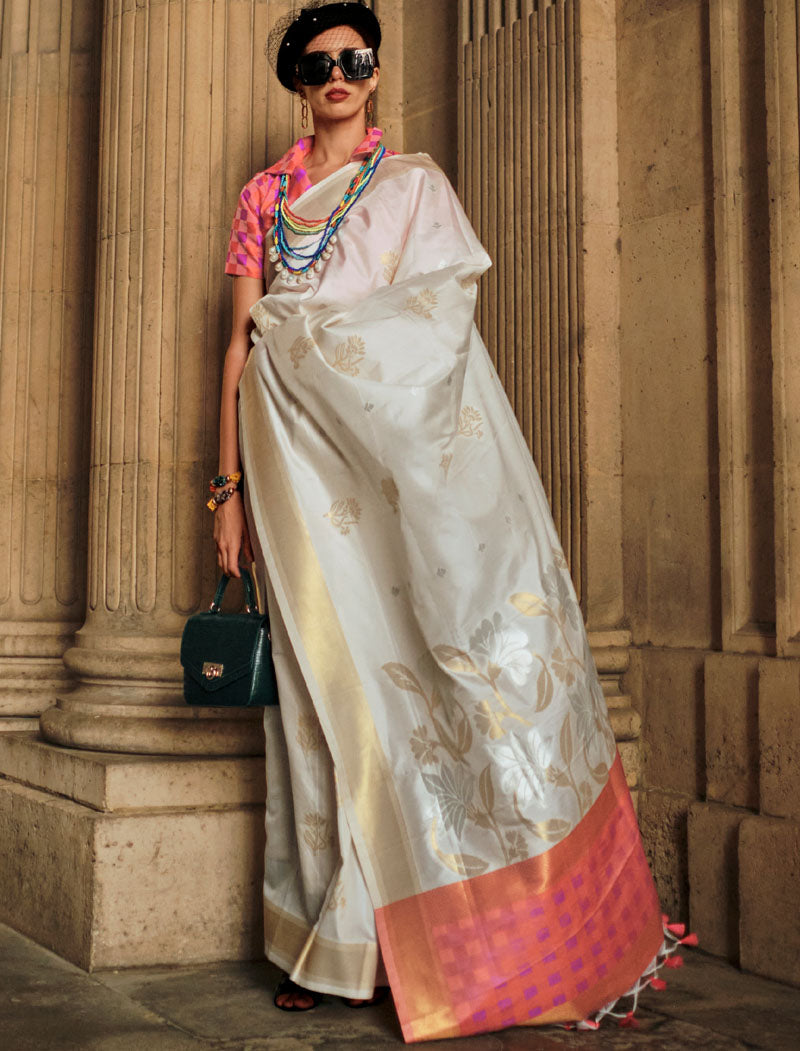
[551,939]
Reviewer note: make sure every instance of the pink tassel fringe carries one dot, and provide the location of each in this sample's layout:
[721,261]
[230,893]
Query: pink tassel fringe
[674,935]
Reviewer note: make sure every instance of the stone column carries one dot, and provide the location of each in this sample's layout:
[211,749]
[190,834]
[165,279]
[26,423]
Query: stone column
[183,125]
[600,414]
[538,175]
[769,870]
[96,840]
[49,79]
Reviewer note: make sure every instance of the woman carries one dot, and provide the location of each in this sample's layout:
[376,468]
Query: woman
[443,781]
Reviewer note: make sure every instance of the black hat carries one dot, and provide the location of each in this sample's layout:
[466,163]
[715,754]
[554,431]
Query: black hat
[313,19]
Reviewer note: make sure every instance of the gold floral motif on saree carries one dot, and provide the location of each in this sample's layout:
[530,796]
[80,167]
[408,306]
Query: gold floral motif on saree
[309,733]
[317,832]
[299,349]
[264,321]
[424,748]
[469,422]
[344,513]
[423,304]
[528,765]
[348,355]
[389,261]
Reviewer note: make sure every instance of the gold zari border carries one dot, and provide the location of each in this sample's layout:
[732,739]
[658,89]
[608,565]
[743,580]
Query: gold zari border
[365,782]
[340,968]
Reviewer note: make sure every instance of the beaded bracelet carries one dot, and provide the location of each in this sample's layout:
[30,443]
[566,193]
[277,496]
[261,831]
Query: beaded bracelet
[219,498]
[223,486]
[221,480]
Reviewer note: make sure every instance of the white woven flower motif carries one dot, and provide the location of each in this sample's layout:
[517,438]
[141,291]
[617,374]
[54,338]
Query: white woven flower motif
[505,646]
[523,761]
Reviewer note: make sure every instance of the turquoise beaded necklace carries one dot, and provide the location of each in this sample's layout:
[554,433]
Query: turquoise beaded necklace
[292,263]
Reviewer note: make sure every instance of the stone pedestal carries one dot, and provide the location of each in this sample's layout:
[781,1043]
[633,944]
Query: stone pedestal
[119,861]
[769,878]
[713,839]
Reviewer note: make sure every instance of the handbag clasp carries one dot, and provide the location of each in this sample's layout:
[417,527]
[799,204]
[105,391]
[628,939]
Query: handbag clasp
[211,670]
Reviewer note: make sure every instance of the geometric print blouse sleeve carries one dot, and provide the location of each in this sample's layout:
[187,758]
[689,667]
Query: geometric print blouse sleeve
[252,219]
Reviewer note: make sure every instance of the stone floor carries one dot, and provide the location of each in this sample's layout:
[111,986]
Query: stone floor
[46,1003]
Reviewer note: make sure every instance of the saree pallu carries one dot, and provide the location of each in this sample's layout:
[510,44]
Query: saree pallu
[418,579]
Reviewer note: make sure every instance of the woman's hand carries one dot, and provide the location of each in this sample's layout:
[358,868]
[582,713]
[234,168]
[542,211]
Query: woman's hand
[231,535]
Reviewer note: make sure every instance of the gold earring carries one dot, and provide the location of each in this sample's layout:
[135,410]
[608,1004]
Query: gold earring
[370,113]
[303,111]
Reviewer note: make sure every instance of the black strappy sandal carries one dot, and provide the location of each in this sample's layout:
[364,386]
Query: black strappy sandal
[286,987]
[381,993]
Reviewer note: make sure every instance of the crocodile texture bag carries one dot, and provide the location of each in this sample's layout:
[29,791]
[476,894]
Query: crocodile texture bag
[227,657]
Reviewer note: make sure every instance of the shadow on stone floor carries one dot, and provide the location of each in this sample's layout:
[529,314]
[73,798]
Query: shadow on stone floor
[46,1003]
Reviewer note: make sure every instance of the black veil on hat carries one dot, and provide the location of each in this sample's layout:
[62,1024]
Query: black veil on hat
[290,34]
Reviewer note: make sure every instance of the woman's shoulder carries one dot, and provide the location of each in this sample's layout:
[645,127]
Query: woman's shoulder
[259,191]
[414,176]
[414,167]
[265,183]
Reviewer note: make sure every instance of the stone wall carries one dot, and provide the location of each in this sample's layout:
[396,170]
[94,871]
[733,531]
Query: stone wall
[707,97]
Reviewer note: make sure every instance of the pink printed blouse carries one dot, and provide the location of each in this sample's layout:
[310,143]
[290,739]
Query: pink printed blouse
[256,209]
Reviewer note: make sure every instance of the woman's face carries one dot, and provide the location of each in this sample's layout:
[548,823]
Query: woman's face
[338,98]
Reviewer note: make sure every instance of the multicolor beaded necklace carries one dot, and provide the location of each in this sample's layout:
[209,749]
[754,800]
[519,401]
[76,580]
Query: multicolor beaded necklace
[292,263]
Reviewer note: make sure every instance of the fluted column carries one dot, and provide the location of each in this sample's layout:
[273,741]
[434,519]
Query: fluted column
[49,79]
[182,128]
[538,176]
[783,149]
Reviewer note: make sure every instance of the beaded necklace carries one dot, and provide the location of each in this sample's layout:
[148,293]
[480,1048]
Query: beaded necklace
[292,263]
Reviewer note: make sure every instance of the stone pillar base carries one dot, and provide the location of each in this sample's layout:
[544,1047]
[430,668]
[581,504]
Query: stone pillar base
[117,861]
[19,722]
[30,684]
[611,652]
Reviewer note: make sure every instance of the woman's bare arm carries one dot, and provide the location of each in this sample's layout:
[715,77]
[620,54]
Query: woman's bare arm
[230,527]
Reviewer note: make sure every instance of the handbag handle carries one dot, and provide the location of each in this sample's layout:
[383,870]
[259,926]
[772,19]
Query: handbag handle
[250,604]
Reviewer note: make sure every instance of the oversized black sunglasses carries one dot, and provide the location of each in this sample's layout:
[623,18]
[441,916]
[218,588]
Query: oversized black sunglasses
[356,63]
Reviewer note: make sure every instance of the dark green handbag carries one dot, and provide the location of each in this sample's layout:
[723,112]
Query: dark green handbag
[227,657]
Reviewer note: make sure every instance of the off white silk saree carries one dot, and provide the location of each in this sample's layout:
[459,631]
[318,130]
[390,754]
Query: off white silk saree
[442,765]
